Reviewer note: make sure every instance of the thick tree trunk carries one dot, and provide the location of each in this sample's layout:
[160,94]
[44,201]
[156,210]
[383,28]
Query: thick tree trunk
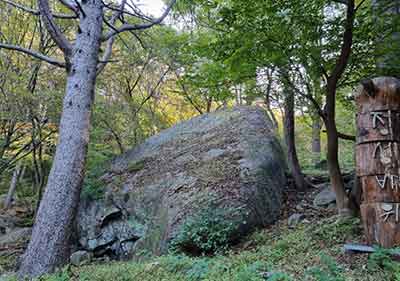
[13,186]
[289,131]
[378,159]
[49,247]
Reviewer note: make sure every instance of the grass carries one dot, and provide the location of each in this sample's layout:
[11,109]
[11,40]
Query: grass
[311,252]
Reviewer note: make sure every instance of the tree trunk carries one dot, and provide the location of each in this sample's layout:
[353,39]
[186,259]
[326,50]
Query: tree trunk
[289,131]
[49,247]
[378,159]
[13,186]
[267,96]
[316,138]
[342,200]
[316,123]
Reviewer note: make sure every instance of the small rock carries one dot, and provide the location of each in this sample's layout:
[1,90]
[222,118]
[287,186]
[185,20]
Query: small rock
[300,208]
[324,198]
[80,257]
[295,219]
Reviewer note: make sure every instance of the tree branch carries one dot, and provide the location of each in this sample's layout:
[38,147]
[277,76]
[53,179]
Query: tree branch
[69,5]
[36,12]
[110,42]
[54,30]
[344,136]
[34,54]
[345,52]
[129,27]
[152,93]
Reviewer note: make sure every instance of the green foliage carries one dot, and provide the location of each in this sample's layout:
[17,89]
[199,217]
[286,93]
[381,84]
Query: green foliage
[63,275]
[136,166]
[345,120]
[328,271]
[255,272]
[97,163]
[198,270]
[209,232]
[383,259]
[279,276]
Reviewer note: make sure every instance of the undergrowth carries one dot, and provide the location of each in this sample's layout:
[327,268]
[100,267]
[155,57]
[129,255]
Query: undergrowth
[311,252]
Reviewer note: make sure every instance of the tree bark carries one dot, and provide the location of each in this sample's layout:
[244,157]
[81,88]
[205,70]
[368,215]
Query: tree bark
[49,247]
[316,138]
[342,200]
[267,95]
[289,131]
[378,159]
[13,186]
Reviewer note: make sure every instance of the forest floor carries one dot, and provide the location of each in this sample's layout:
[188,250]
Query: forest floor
[309,250]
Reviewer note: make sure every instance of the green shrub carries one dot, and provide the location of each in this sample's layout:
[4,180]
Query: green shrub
[97,164]
[382,259]
[199,270]
[212,230]
[279,276]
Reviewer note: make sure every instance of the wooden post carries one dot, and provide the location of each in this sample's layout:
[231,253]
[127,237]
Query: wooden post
[378,159]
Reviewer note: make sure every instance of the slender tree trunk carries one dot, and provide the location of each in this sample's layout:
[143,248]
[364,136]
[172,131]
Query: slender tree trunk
[209,104]
[342,200]
[49,247]
[316,138]
[289,131]
[268,101]
[13,186]
[316,123]
[336,178]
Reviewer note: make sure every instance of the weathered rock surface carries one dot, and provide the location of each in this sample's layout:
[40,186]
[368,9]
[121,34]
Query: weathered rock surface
[295,219]
[15,236]
[230,158]
[80,258]
[325,197]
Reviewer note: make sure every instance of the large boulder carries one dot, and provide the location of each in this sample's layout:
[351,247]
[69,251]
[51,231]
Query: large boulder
[228,160]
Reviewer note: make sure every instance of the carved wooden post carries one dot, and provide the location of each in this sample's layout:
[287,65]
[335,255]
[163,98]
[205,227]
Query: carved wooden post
[378,159]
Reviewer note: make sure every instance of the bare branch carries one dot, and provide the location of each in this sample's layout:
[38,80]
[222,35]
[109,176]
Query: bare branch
[69,5]
[129,27]
[36,12]
[345,2]
[110,42]
[34,54]
[344,136]
[152,93]
[53,29]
